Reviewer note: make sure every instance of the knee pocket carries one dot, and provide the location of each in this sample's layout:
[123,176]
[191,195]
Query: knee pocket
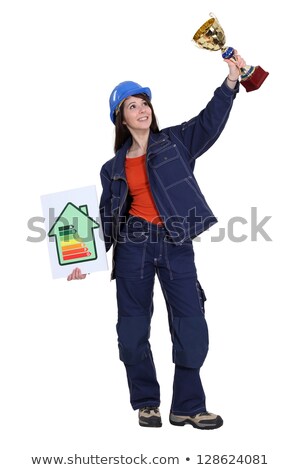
[133,336]
[190,341]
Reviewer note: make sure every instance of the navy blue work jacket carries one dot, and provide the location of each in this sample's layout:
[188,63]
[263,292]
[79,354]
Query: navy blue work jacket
[170,162]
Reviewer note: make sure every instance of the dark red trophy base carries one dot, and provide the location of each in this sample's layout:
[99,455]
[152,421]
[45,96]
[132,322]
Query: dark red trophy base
[255,80]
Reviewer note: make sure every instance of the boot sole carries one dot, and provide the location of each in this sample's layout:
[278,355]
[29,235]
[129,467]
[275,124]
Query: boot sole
[204,426]
[150,425]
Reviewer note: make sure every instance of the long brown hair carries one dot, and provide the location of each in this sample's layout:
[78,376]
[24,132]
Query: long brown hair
[121,131]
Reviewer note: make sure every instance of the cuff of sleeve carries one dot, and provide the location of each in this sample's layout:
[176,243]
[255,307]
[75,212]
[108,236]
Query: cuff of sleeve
[230,91]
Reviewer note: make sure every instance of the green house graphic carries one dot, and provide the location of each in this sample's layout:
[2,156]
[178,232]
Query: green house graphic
[74,235]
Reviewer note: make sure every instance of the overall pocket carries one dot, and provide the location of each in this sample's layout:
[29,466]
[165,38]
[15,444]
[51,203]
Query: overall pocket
[201,296]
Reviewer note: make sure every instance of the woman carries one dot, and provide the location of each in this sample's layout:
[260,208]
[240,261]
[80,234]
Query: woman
[151,208]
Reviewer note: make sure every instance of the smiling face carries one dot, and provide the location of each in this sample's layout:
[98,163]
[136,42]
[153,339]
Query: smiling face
[137,114]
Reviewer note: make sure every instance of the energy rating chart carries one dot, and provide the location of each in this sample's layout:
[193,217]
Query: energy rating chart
[74,232]
[75,242]
[72,248]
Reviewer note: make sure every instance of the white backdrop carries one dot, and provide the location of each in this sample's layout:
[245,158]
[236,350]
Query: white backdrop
[64,389]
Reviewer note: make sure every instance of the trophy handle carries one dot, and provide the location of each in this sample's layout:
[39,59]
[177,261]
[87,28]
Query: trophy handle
[212,15]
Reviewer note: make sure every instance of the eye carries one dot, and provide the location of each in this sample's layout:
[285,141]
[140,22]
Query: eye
[132,106]
[145,103]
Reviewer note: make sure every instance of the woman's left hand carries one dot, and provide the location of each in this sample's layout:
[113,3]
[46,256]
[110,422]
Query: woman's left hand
[235,65]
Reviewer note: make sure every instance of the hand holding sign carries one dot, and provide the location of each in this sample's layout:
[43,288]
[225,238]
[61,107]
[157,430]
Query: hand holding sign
[76,274]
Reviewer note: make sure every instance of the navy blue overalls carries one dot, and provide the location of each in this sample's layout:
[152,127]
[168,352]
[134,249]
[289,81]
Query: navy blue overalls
[143,250]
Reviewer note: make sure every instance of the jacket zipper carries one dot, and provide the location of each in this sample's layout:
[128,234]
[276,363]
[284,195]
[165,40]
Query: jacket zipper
[153,194]
[147,172]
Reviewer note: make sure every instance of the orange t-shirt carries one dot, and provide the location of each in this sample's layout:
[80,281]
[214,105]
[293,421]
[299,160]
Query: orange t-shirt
[142,204]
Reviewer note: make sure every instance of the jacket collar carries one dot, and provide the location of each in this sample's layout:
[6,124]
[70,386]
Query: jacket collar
[155,140]
[118,168]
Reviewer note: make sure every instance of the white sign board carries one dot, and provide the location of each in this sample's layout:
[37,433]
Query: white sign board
[74,231]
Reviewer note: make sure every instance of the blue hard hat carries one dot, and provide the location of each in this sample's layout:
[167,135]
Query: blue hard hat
[121,92]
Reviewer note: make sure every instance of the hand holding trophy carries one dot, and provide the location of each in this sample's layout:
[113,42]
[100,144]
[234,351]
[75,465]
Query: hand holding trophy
[212,37]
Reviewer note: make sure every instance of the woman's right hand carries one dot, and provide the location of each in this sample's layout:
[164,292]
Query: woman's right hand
[76,275]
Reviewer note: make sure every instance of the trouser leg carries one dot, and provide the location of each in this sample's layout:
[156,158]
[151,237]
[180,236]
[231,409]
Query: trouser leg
[135,310]
[142,382]
[189,335]
[185,298]
[188,394]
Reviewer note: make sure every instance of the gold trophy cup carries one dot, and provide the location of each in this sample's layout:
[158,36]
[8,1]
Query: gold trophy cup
[212,37]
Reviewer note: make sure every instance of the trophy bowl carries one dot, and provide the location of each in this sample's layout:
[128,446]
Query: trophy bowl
[211,36]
